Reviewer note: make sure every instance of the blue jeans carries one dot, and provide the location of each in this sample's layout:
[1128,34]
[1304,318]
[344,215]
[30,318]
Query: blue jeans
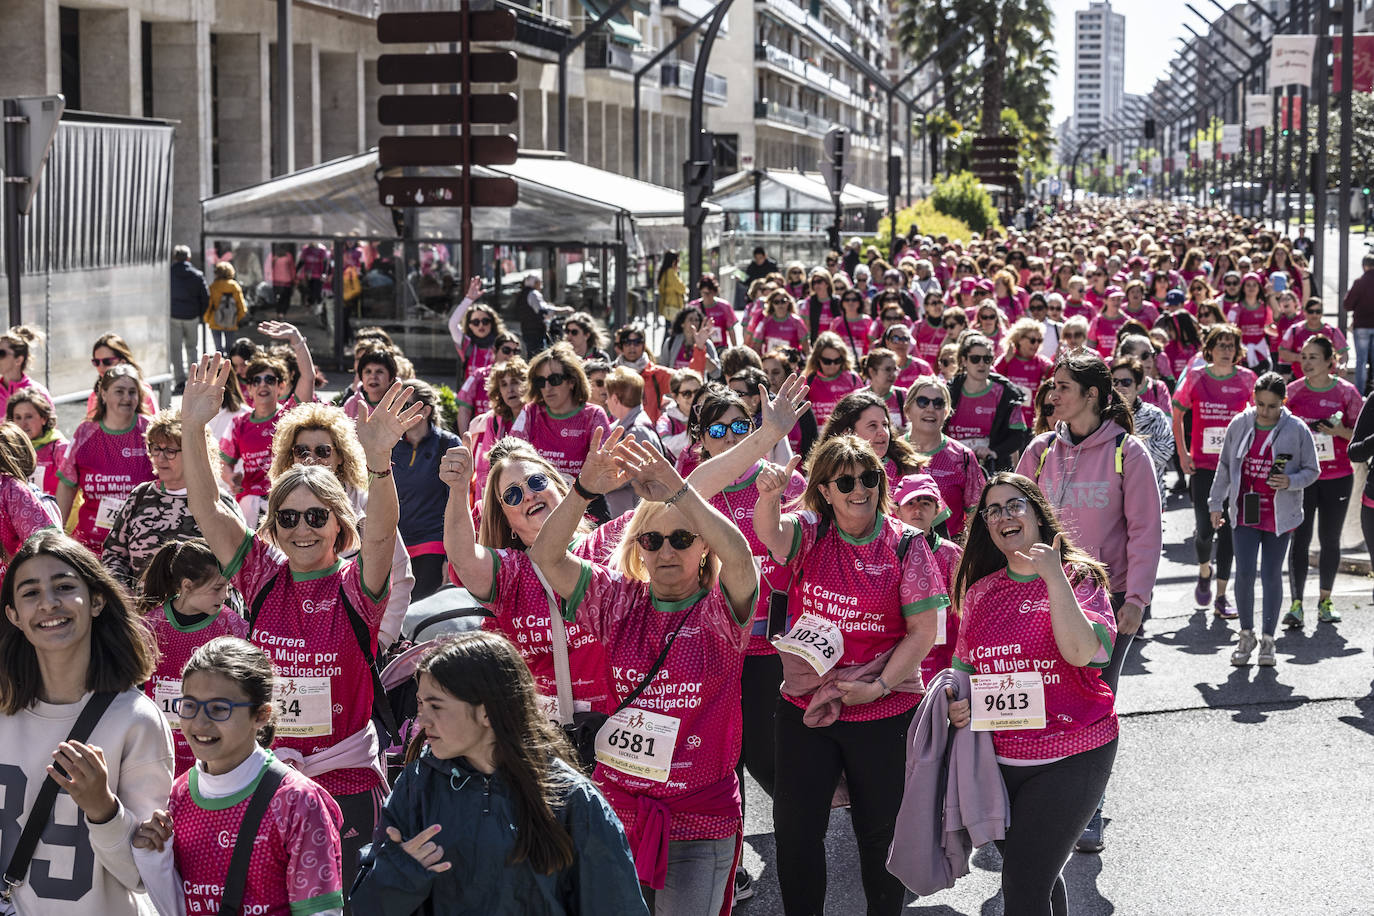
[1363,339]
[1263,548]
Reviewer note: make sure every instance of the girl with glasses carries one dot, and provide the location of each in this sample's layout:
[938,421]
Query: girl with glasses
[16,346]
[985,406]
[796,280]
[989,321]
[37,417]
[556,418]
[109,351]
[107,458]
[122,772]
[780,326]
[1297,335]
[867,584]
[954,322]
[830,374]
[952,464]
[1211,394]
[1017,558]
[1023,363]
[224,697]
[305,599]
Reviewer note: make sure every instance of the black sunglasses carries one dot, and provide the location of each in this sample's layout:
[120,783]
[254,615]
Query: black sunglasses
[632,342]
[265,379]
[845,482]
[738,427]
[924,402]
[514,494]
[479,320]
[315,517]
[977,358]
[1122,382]
[828,361]
[652,541]
[304,452]
[553,378]
[951,325]
[510,351]
[107,361]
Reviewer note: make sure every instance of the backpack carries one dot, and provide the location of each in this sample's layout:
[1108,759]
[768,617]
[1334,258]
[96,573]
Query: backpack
[227,311]
[1049,443]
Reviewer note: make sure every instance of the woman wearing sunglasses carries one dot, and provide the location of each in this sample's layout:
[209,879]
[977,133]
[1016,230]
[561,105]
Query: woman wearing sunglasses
[1297,335]
[954,323]
[107,458]
[1199,291]
[679,579]
[1023,363]
[780,326]
[109,351]
[507,385]
[1031,601]
[830,374]
[985,406]
[864,414]
[307,603]
[820,308]
[1153,425]
[472,397]
[854,326]
[928,333]
[899,341]
[879,367]
[989,321]
[16,345]
[556,418]
[952,463]
[1253,315]
[473,326]
[580,331]
[865,583]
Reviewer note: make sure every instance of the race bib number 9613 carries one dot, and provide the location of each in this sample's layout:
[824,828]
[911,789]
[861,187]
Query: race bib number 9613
[1008,702]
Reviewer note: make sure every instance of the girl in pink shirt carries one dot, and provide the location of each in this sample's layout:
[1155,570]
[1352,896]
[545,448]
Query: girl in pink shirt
[880,369]
[1102,332]
[16,345]
[952,464]
[110,350]
[1253,316]
[853,326]
[1023,363]
[830,373]
[910,366]
[929,332]
[556,419]
[35,415]
[780,326]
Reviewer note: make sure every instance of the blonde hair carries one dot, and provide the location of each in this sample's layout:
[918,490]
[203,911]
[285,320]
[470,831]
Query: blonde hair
[495,532]
[224,270]
[17,456]
[352,470]
[828,340]
[628,559]
[22,339]
[1020,329]
[515,366]
[327,489]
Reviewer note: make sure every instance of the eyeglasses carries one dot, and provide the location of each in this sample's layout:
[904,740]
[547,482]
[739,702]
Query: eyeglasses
[687,392]
[598,381]
[316,517]
[925,403]
[514,494]
[632,342]
[479,321]
[304,452]
[829,361]
[738,427]
[845,482]
[899,338]
[951,325]
[1015,507]
[164,451]
[853,300]
[572,331]
[107,361]
[1035,340]
[553,380]
[510,351]
[975,359]
[217,710]
[652,541]
[820,280]
[1229,282]
[266,379]
[6,354]
[1071,337]
[1123,382]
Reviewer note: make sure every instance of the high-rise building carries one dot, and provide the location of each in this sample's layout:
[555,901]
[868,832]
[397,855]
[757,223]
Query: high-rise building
[1099,65]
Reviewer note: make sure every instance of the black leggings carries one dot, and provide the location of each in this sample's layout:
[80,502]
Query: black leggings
[872,757]
[1050,806]
[758,702]
[361,813]
[1328,499]
[1202,526]
[428,570]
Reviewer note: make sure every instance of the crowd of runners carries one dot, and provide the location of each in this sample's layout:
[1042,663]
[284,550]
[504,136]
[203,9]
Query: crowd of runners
[754,549]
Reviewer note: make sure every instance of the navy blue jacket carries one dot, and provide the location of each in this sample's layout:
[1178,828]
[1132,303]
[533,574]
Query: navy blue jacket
[190,298]
[421,493]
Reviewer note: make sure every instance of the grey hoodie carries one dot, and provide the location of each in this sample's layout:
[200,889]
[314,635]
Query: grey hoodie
[1291,437]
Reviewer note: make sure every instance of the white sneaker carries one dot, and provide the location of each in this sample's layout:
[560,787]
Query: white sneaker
[1241,656]
[1266,653]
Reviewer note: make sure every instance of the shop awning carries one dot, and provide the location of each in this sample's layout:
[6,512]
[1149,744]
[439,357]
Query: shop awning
[784,190]
[622,23]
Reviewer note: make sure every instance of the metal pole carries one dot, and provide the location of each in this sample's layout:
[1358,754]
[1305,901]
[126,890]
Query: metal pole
[1347,141]
[694,135]
[286,91]
[635,129]
[14,184]
[910,123]
[1318,265]
[1304,169]
[468,262]
[651,63]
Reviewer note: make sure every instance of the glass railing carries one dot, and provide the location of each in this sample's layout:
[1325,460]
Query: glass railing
[680,74]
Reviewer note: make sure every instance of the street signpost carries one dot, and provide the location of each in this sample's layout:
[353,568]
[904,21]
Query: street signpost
[839,169]
[30,125]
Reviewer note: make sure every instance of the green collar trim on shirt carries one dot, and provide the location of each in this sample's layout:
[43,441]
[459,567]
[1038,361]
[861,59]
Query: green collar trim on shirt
[1312,387]
[562,416]
[120,432]
[316,574]
[829,378]
[1017,577]
[970,394]
[935,451]
[1264,429]
[671,607]
[229,801]
[1220,378]
[206,620]
[867,538]
[44,439]
[743,484]
[253,417]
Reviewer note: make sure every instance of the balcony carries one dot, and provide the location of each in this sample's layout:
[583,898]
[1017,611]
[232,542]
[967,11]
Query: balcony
[679,75]
[805,71]
[538,30]
[687,11]
[604,54]
[767,110]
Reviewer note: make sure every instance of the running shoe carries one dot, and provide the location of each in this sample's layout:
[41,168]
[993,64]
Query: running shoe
[1266,653]
[1326,612]
[1293,619]
[744,885]
[1091,840]
[1202,592]
[1241,656]
[1222,608]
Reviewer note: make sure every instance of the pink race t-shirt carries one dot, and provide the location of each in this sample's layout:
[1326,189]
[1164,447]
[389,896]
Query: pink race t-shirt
[1251,321]
[1297,334]
[941,654]
[960,478]
[473,394]
[723,318]
[1214,402]
[915,368]
[857,584]
[827,392]
[929,339]
[1005,628]
[521,607]
[250,441]
[105,465]
[561,438]
[856,332]
[1102,332]
[771,333]
[1340,398]
[51,451]
[175,646]
[699,685]
[972,419]
[324,686]
[296,867]
[1028,373]
[1255,468]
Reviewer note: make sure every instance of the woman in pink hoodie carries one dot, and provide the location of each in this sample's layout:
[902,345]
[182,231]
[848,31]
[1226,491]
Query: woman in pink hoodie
[1101,480]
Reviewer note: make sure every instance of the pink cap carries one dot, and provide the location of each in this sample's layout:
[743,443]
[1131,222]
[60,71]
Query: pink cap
[1252,276]
[968,285]
[1115,291]
[914,485]
[985,285]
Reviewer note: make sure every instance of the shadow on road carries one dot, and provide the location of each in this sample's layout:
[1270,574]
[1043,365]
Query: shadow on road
[1080,876]
[1203,634]
[1252,700]
[1365,720]
[1324,642]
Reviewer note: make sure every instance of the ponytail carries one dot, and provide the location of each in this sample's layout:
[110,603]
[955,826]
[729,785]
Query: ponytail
[176,560]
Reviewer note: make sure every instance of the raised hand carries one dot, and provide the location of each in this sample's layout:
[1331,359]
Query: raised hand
[782,412]
[653,476]
[474,291]
[154,833]
[772,480]
[455,469]
[380,430]
[421,848]
[600,472]
[1046,558]
[204,394]
[281,330]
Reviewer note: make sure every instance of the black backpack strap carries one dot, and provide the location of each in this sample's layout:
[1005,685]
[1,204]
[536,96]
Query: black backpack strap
[236,878]
[658,663]
[381,707]
[37,820]
[903,545]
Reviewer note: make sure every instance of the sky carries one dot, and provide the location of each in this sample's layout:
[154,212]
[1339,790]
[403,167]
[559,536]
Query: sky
[1152,27]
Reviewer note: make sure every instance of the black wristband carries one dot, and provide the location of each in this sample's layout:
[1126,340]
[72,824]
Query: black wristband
[582,491]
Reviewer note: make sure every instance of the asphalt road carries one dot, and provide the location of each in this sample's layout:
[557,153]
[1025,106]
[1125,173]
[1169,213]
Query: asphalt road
[1235,791]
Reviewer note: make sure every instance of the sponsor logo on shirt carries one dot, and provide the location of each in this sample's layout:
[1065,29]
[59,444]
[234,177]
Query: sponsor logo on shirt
[873,569]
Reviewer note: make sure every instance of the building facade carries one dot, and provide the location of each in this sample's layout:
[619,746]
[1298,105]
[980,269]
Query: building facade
[1099,65]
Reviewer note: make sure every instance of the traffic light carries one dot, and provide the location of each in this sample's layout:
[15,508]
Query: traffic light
[698,180]
[1149,128]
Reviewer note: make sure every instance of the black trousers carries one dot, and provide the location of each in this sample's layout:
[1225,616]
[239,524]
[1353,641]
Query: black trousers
[1324,504]
[758,703]
[1203,530]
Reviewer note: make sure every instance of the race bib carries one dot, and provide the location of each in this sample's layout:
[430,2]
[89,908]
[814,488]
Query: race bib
[1008,702]
[814,640]
[1212,437]
[553,710]
[1326,446]
[638,742]
[165,690]
[105,512]
[40,472]
[941,621]
[304,707]
[776,343]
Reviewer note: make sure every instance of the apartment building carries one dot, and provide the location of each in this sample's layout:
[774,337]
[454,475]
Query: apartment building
[1099,65]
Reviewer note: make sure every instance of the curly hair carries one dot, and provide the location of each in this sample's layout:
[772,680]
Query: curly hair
[352,472]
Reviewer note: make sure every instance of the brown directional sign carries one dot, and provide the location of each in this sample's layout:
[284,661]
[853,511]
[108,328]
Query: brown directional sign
[485,67]
[446,192]
[487,108]
[427,28]
[486,150]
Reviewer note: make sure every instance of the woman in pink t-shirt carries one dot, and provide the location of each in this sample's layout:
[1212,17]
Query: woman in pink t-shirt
[910,366]
[667,761]
[879,367]
[830,373]
[953,465]
[557,420]
[863,614]
[853,326]
[110,350]
[868,416]
[780,326]
[37,417]
[1035,630]
[16,345]
[1023,363]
